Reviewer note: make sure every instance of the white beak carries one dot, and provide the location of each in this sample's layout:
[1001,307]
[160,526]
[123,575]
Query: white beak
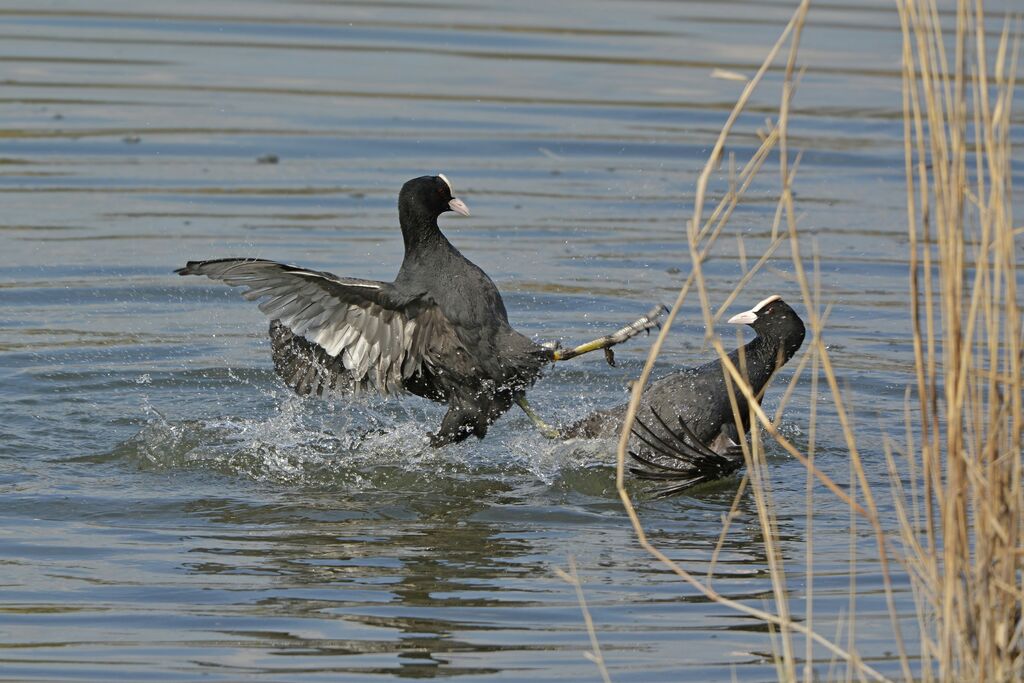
[744,318]
[458,206]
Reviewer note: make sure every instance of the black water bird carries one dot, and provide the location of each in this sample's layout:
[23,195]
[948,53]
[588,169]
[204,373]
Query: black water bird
[685,432]
[439,331]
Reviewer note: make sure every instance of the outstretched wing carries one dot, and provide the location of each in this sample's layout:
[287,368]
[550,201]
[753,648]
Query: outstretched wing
[362,327]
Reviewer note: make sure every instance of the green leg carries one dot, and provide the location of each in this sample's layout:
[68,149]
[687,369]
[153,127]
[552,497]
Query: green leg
[545,429]
[606,343]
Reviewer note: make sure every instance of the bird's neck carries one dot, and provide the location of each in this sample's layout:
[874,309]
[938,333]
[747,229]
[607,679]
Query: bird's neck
[762,356]
[419,231]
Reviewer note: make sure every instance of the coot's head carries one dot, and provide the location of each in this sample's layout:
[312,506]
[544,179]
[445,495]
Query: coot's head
[774,319]
[430,195]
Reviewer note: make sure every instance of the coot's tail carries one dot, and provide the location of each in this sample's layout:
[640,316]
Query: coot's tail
[674,456]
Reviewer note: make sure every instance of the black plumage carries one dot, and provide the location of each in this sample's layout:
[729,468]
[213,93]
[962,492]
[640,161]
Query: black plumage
[440,330]
[685,432]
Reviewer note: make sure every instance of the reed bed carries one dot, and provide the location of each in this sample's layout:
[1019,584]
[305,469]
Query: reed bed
[955,468]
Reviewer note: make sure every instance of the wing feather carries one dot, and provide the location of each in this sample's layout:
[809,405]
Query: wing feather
[380,336]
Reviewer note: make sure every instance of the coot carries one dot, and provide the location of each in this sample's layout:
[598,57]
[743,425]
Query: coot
[685,432]
[439,331]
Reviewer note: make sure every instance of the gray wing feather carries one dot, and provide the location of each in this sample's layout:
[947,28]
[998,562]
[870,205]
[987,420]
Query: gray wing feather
[361,322]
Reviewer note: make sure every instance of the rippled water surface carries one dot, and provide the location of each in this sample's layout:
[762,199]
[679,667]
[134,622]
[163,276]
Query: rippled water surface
[170,512]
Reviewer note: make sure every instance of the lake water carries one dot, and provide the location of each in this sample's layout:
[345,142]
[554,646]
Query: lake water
[169,512]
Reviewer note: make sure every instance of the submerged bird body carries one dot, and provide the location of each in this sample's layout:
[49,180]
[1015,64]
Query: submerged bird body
[686,432]
[439,331]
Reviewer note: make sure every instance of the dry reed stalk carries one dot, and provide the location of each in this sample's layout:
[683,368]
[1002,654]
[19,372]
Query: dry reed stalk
[594,654]
[701,238]
[965,474]
[959,520]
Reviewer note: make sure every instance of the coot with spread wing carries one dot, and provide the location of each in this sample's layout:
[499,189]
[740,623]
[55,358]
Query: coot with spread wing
[439,330]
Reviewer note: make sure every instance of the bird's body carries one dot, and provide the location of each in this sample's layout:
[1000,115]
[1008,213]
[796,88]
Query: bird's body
[686,431]
[439,330]
[480,364]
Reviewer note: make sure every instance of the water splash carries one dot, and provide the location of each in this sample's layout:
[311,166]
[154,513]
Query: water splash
[361,446]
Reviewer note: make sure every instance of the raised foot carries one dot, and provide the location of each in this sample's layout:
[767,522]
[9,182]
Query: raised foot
[642,324]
